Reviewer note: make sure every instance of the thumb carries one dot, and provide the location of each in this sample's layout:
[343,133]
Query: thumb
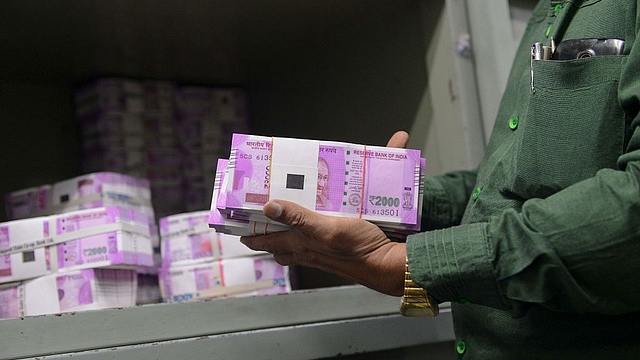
[289,213]
[399,140]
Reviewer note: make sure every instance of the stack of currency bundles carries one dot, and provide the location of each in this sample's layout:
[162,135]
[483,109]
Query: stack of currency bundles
[90,191]
[207,116]
[379,184]
[128,126]
[28,202]
[84,239]
[78,290]
[243,276]
[79,260]
[187,239]
[200,263]
[85,192]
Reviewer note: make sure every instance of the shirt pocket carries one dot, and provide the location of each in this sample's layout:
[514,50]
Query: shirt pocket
[574,124]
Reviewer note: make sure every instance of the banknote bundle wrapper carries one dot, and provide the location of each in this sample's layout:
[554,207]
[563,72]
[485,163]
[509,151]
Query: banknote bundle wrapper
[379,184]
[94,238]
[84,192]
[78,290]
[243,276]
[200,263]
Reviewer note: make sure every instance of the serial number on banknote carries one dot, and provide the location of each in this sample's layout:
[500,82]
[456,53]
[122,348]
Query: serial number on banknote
[384,201]
[386,212]
[258,157]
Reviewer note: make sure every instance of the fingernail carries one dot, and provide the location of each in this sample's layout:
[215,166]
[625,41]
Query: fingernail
[272,210]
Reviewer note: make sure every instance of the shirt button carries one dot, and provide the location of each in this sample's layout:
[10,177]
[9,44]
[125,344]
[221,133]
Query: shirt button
[461,347]
[556,9]
[476,194]
[513,122]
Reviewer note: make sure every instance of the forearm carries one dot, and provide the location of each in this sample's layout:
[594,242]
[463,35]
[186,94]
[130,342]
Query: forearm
[573,251]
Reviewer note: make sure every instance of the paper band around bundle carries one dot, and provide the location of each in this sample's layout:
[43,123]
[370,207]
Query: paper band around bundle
[74,235]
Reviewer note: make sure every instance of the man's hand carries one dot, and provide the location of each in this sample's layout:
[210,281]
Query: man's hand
[354,249]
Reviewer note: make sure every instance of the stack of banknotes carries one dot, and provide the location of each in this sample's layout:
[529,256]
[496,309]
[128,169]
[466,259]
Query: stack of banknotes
[83,239]
[129,126]
[90,222]
[84,192]
[79,260]
[379,184]
[78,290]
[200,263]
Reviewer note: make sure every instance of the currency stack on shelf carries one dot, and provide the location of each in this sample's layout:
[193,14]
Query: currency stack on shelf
[206,119]
[92,191]
[83,259]
[84,192]
[200,263]
[128,126]
[88,289]
[158,130]
[379,184]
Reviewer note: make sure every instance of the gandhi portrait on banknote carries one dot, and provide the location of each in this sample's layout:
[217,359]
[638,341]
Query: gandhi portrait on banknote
[322,194]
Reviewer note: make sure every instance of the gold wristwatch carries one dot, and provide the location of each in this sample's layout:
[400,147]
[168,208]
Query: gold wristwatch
[415,301]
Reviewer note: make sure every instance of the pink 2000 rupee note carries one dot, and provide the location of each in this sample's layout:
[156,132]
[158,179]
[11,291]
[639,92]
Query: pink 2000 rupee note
[371,182]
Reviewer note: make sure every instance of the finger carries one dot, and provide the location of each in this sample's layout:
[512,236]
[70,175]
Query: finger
[272,243]
[398,140]
[292,214]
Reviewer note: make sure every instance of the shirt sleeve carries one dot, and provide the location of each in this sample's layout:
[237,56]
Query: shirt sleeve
[574,251]
[445,199]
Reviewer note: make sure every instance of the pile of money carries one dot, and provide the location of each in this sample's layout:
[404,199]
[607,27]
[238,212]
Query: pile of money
[85,254]
[91,191]
[87,289]
[83,239]
[200,263]
[378,184]
[85,192]
[206,118]
[164,131]
[128,126]
[244,276]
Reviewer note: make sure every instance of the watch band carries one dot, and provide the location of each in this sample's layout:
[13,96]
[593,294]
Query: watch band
[415,301]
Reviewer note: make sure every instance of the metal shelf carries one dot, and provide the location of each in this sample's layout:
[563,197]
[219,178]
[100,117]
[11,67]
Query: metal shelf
[301,325]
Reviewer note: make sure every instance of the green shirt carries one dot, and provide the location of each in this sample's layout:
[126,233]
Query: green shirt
[539,249]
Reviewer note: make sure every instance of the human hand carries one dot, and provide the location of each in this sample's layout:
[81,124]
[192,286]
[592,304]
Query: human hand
[351,248]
